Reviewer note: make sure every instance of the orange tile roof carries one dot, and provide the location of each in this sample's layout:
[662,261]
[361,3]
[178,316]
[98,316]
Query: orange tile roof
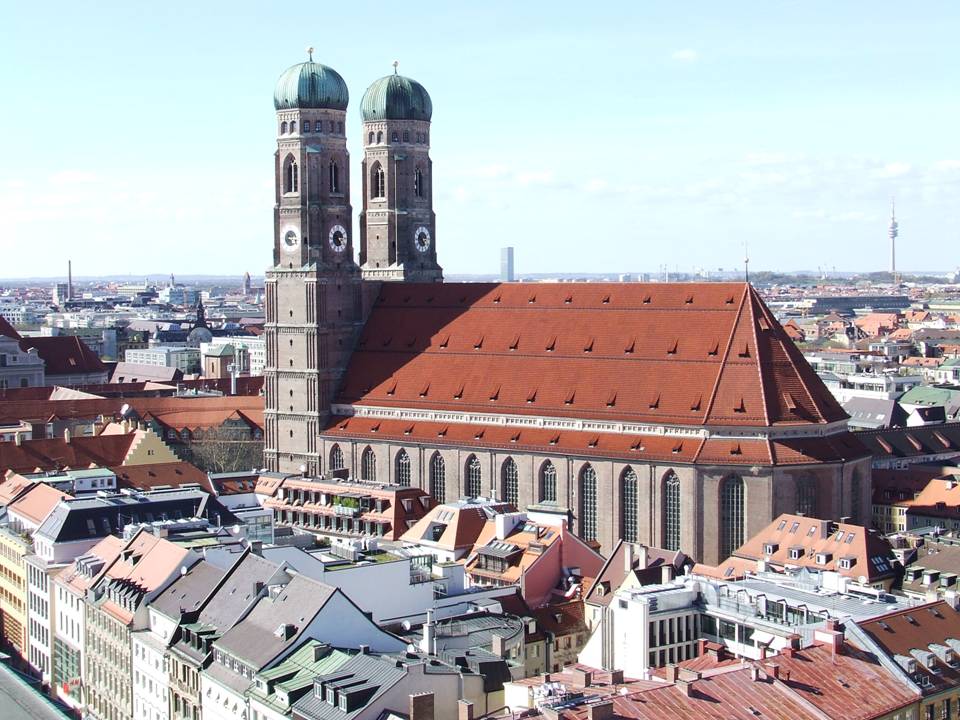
[173,474]
[55,453]
[684,354]
[462,525]
[107,550]
[37,502]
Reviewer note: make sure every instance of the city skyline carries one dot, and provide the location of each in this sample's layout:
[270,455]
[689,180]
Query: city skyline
[677,138]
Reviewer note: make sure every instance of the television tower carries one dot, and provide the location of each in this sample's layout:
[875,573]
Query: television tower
[894,232]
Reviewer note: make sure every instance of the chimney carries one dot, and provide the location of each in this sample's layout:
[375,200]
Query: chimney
[774,671]
[421,706]
[464,710]
[754,673]
[364,649]
[627,557]
[686,687]
[427,644]
[498,646]
[600,710]
[66,436]
[671,672]
[18,439]
[642,556]
[581,677]
[616,677]
[701,646]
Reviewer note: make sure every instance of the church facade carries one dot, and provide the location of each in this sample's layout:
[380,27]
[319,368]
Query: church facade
[677,415]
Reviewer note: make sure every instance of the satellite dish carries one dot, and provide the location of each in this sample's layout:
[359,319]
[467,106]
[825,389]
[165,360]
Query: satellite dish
[862,580]
[124,410]
[405,625]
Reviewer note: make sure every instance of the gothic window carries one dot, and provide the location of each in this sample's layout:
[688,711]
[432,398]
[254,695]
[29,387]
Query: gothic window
[378,185]
[548,483]
[403,468]
[511,483]
[628,505]
[291,175]
[588,503]
[283,128]
[306,126]
[731,515]
[418,182]
[340,128]
[370,138]
[406,136]
[671,511]
[336,458]
[437,478]
[807,496]
[368,465]
[472,486]
[334,172]
[395,137]
[379,137]
[293,126]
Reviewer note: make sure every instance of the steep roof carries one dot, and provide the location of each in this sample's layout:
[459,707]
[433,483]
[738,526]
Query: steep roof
[7,330]
[64,354]
[188,591]
[172,474]
[53,453]
[38,502]
[459,524]
[682,354]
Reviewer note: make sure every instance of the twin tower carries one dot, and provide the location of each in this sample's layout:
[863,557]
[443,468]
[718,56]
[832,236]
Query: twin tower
[317,294]
[313,216]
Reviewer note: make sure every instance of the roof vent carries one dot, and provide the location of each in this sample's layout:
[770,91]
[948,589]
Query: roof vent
[672,350]
[744,351]
[458,395]
[697,402]
[630,346]
[515,343]
[552,345]
[655,402]
[445,341]
[612,398]
[478,345]
[714,349]
[495,393]
[424,390]
[605,300]
[568,400]
[532,396]
[589,346]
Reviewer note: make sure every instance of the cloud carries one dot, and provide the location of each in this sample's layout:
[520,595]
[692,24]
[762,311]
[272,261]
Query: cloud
[894,169]
[535,177]
[73,177]
[687,55]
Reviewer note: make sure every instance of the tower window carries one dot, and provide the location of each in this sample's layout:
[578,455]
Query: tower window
[379,137]
[283,128]
[293,126]
[370,138]
[395,137]
[334,172]
[418,183]
[378,184]
[340,128]
[406,136]
[331,126]
[291,175]
[306,126]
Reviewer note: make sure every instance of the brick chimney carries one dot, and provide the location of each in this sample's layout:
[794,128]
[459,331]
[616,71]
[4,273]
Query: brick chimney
[421,706]
[581,677]
[464,710]
[686,687]
[616,677]
[671,672]
[600,710]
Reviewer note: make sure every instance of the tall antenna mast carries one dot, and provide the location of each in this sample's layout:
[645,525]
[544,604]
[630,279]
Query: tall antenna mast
[893,232]
[746,262]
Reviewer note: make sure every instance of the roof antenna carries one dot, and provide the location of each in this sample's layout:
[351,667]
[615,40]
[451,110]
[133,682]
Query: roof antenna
[395,64]
[310,54]
[746,263]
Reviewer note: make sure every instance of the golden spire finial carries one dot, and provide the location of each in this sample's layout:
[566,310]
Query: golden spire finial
[310,54]
[395,64]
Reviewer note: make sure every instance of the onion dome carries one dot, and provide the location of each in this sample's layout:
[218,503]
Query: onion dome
[396,97]
[311,85]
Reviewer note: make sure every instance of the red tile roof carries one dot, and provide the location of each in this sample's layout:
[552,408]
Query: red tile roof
[172,474]
[7,330]
[55,453]
[684,354]
[64,355]
[37,502]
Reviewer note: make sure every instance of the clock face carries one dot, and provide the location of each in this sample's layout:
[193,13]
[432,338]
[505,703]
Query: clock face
[338,238]
[290,238]
[421,239]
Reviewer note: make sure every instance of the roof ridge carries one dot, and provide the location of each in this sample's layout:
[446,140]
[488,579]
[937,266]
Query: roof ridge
[726,355]
[752,294]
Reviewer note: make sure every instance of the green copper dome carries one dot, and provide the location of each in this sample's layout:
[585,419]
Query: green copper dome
[311,85]
[396,97]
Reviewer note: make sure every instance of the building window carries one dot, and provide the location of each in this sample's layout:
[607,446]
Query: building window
[437,478]
[291,175]
[368,465]
[473,486]
[671,511]
[370,138]
[511,483]
[807,496]
[548,483]
[378,186]
[334,172]
[379,137]
[418,183]
[731,515]
[588,503]
[855,499]
[336,458]
[403,468]
[306,126]
[293,126]
[283,128]
[628,505]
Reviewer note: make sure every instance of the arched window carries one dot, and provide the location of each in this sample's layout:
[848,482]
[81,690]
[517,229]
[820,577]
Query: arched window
[403,468]
[588,503]
[395,137]
[379,137]
[283,128]
[806,501]
[368,465]
[731,515]
[671,511]
[548,483]
[306,126]
[291,175]
[340,128]
[418,182]
[628,505]
[378,186]
[511,483]
[293,126]
[336,458]
[334,172]
[473,484]
[370,138]
[437,478]
[406,136]
[855,500]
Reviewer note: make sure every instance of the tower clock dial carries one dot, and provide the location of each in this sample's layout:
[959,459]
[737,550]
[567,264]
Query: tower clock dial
[421,239]
[290,238]
[338,238]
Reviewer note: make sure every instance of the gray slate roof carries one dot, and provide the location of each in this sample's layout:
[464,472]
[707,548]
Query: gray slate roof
[187,592]
[361,670]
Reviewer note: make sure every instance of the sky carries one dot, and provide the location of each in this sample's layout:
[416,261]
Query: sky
[593,137]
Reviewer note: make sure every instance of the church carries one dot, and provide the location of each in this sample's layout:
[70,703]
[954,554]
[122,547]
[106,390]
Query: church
[678,415]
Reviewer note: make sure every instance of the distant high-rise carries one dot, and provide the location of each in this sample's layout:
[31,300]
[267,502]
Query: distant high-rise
[246,283]
[69,280]
[894,232]
[506,265]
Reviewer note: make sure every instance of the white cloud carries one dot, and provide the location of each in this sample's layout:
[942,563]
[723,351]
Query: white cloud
[894,169]
[535,177]
[687,55]
[73,177]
